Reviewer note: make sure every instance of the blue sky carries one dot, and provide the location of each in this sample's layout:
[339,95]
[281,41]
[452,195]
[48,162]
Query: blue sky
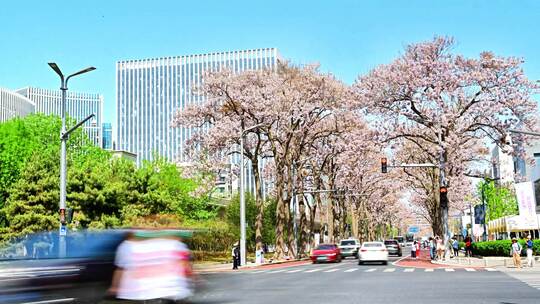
[346,37]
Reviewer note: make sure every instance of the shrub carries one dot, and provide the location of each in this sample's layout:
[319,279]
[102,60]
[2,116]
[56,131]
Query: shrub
[500,248]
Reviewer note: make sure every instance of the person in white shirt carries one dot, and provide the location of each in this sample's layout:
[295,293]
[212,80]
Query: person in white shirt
[413,250]
[516,253]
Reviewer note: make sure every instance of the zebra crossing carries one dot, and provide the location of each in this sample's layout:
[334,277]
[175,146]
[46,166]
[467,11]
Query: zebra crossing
[370,270]
[531,278]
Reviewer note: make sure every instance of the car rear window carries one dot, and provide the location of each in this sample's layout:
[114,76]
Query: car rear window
[325,247]
[372,245]
[347,243]
[390,242]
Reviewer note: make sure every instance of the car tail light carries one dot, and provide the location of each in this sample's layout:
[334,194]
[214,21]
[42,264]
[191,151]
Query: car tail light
[363,250]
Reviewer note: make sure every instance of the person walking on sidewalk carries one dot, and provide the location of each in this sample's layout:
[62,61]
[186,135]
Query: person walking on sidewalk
[440,248]
[516,253]
[530,260]
[418,249]
[432,248]
[413,250]
[468,247]
[455,246]
[236,255]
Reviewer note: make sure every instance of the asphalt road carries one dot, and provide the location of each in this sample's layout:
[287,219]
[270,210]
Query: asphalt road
[347,282]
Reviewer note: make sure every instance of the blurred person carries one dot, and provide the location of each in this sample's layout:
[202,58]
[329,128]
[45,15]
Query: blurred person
[529,246]
[440,248]
[468,246]
[432,248]
[418,249]
[455,246]
[413,250]
[152,268]
[235,253]
[516,252]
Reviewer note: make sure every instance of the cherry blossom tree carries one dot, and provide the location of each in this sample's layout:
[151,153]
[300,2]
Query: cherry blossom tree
[446,105]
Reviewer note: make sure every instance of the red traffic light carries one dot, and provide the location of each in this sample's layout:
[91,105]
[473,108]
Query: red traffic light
[384,165]
[443,190]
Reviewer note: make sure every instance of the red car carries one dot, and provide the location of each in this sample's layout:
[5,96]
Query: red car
[326,253]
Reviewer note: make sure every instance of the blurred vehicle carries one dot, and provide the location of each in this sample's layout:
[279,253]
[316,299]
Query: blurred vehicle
[373,252]
[326,253]
[393,247]
[349,247]
[409,238]
[401,240]
[32,270]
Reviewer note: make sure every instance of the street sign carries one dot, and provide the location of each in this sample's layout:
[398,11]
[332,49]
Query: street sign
[479,214]
[414,229]
[63,230]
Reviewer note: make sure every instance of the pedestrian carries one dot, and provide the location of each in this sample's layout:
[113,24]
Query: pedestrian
[468,246]
[516,252]
[418,249]
[236,255]
[413,250]
[440,248]
[455,246]
[530,260]
[432,248]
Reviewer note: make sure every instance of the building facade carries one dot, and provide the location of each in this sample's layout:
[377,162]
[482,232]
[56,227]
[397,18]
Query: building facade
[13,105]
[150,91]
[78,106]
[107,142]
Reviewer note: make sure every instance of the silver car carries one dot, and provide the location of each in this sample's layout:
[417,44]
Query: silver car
[349,248]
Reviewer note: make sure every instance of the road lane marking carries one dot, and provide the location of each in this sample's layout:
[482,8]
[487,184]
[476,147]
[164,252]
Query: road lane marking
[429,270]
[332,270]
[259,271]
[351,270]
[449,269]
[389,270]
[314,270]
[371,270]
[278,271]
[491,269]
[296,270]
[470,269]
[408,270]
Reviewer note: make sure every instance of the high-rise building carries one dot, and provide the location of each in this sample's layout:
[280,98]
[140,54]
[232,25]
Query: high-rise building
[14,105]
[78,107]
[107,136]
[150,91]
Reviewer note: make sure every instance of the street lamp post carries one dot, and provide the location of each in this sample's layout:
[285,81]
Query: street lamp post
[64,134]
[242,197]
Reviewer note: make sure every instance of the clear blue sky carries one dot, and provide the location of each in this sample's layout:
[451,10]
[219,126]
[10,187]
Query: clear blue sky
[346,37]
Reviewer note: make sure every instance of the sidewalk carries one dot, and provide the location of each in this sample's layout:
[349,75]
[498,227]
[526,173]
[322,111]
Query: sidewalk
[500,262]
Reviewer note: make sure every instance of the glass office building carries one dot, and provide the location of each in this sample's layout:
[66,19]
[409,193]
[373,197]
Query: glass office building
[78,107]
[14,105]
[150,91]
[107,136]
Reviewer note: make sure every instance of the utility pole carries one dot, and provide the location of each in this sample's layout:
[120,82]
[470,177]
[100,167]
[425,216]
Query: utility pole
[64,135]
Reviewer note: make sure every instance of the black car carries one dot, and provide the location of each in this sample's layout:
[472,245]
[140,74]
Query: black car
[32,269]
[393,247]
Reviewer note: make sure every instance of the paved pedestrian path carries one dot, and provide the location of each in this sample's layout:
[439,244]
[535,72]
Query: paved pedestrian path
[529,276]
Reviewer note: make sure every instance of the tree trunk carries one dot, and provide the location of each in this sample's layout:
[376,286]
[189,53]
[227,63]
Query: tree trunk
[354,224]
[280,217]
[259,203]
[303,238]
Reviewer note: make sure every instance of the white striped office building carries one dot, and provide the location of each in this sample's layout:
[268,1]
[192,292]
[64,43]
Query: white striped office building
[78,106]
[13,105]
[150,91]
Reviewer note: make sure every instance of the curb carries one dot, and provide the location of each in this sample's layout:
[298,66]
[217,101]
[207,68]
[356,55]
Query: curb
[265,265]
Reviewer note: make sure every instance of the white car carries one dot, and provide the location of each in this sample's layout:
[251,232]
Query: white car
[373,252]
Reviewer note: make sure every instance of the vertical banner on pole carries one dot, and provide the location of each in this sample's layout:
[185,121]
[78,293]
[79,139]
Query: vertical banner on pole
[527,204]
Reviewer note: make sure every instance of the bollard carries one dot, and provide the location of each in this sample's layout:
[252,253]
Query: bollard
[485,262]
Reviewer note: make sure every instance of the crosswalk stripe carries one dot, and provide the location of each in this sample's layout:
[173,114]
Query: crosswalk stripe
[313,270]
[278,271]
[449,269]
[259,271]
[351,270]
[470,269]
[389,270]
[293,271]
[371,270]
[491,269]
[332,270]
[408,270]
[429,270]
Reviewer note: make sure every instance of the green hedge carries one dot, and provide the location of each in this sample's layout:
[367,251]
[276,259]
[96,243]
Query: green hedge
[500,248]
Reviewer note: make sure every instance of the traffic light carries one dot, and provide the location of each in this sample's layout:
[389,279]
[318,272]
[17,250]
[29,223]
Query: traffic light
[384,165]
[443,197]
[69,215]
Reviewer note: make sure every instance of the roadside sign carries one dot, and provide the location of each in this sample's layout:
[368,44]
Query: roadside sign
[414,229]
[63,230]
